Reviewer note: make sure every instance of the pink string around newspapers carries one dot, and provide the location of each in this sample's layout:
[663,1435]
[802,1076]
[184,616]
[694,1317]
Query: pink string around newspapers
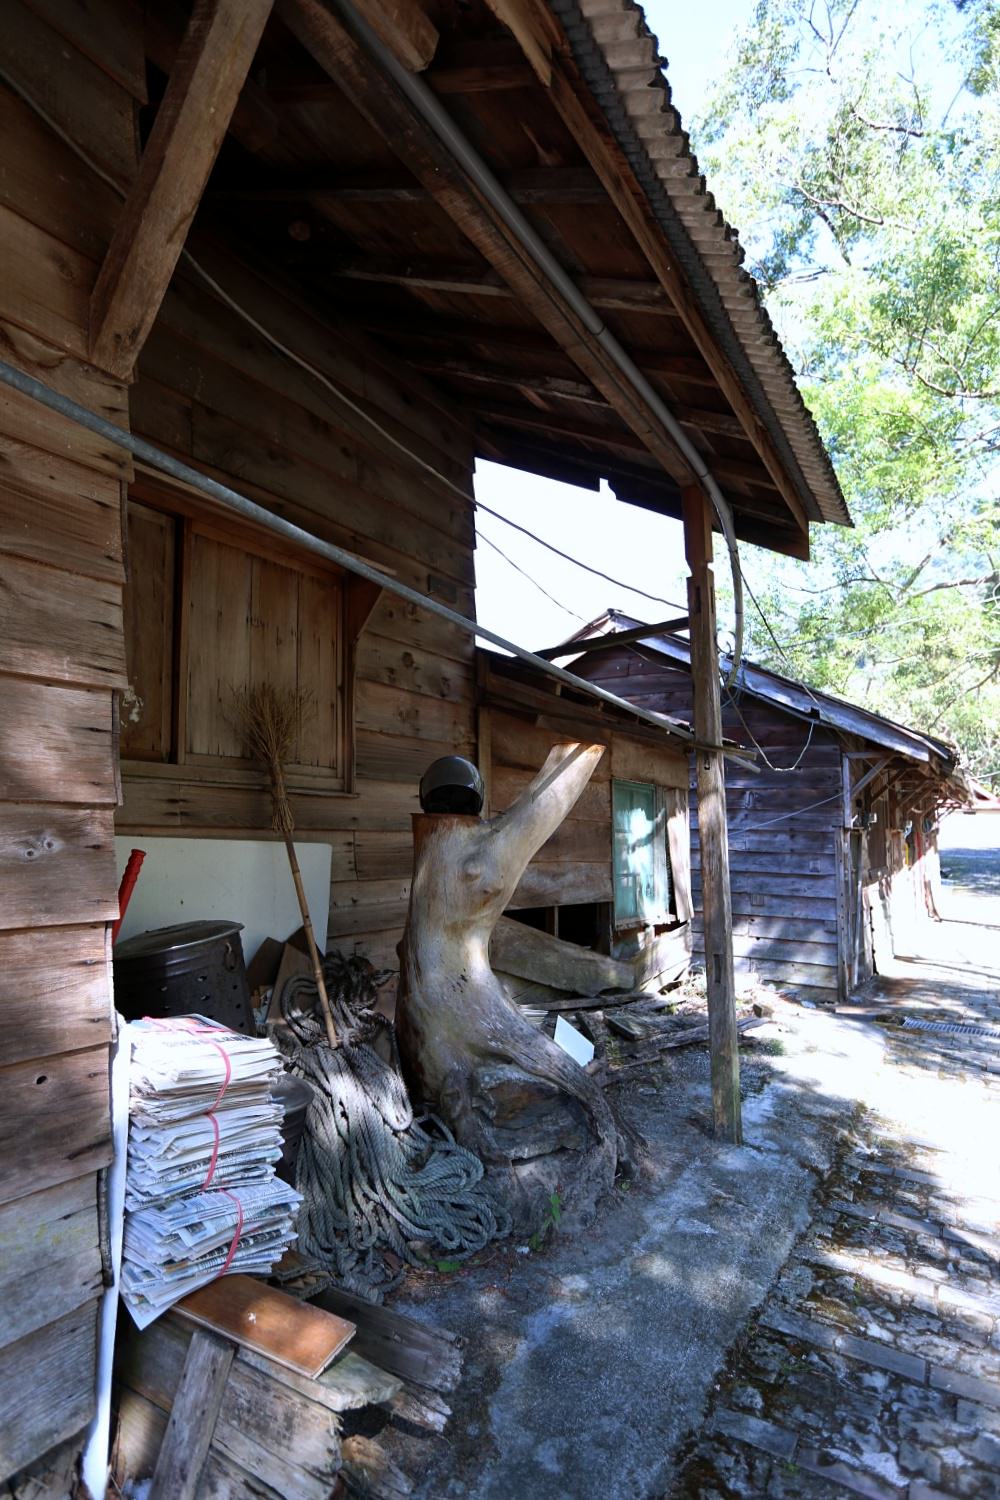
[197,1028]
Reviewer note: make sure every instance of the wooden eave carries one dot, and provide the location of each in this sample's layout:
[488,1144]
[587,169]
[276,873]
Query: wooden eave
[324,180]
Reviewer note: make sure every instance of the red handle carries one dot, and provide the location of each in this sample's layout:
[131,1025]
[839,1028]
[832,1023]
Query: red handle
[126,888]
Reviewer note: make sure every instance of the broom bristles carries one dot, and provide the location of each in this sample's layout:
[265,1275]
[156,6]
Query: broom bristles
[270,720]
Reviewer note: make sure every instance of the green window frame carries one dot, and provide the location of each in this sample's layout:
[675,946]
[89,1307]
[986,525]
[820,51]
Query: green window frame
[643,885]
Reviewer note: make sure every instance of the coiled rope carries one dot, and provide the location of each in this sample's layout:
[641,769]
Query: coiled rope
[373,1177]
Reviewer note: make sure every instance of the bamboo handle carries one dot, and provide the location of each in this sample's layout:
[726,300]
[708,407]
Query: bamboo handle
[324,999]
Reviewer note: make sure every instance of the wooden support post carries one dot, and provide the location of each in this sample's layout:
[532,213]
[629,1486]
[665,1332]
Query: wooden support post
[713,831]
[191,122]
[192,1418]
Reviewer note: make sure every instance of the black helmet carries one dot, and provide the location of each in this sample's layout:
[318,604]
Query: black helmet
[452,785]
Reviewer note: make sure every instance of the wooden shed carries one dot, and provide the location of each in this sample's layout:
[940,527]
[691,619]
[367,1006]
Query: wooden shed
[615,879]
[831,832]
[412,235]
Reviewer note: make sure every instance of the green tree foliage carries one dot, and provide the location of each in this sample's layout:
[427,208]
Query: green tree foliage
[857,144]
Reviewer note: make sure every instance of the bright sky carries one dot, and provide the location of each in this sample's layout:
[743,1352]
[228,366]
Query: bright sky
[633,545]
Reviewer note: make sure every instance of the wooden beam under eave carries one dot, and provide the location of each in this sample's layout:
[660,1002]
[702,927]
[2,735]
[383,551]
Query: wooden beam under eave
[404,27]
[401,126]
[615,173]
[191,123]
[618,293]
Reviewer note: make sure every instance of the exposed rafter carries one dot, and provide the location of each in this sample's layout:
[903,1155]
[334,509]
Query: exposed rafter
[616,175]
[390,112]
[191,123]
[610,293]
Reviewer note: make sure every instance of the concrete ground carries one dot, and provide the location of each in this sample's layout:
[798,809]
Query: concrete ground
[843,1262]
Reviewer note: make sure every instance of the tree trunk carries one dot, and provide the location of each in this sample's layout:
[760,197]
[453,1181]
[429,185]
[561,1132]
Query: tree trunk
[535,1118]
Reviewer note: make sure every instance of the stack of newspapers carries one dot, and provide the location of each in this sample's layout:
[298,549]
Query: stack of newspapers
[201,1196]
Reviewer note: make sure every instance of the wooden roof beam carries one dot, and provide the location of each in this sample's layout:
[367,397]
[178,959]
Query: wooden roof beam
[404,26]
[576,186]
[625,442]
[441,332]
[397,120]
[608,292]
[191,122]
[614,638]
[558,388]
[254,121]
[627,194]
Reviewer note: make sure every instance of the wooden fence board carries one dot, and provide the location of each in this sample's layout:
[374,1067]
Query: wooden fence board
[55,512]
[46,1387]
[66,1099]
[57,865]
[50,1259]
[79,96]
[60,626]
[36,177]
[55,991]
[412,669]
[58,744]
[47,286]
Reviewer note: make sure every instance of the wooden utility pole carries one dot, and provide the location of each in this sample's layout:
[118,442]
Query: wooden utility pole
[713,831]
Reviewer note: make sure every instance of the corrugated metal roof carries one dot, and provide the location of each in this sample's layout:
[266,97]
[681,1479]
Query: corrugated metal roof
[618,56]
[794,697]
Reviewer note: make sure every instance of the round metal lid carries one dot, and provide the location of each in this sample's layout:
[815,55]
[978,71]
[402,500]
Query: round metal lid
[171,939]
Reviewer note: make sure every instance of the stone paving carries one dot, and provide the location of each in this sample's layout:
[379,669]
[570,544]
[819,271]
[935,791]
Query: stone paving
[873,1368]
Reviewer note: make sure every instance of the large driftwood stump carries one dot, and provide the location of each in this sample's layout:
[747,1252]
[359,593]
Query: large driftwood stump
[535,1118]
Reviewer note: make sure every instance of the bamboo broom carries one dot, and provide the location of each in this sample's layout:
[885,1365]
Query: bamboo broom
[270,719]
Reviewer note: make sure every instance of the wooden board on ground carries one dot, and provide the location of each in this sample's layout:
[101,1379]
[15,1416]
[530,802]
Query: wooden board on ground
[415,1351]
[292,1333]
[530,954]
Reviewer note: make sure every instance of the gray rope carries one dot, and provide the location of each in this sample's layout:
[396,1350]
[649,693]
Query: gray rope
[373,1177]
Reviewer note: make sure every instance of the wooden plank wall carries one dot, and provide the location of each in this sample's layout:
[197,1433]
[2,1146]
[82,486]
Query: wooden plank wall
[61,657]
[575,865]
[215,393]
[785,885]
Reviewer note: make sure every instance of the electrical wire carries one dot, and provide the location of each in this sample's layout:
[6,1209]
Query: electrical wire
[782,770]
[782,817]
[568,557]
[336,391]
[518,569]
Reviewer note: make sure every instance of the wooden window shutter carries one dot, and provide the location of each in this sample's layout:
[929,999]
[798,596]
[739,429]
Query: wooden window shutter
[253,619]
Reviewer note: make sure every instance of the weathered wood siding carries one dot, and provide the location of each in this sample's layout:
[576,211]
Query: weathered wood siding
[787,890]
[216,394]
[61,658]
[576,865]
